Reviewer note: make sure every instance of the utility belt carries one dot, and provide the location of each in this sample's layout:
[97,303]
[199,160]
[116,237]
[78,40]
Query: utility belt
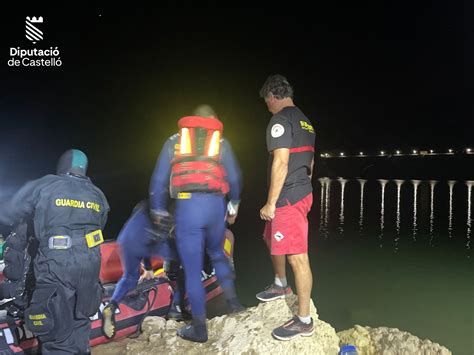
[64,242]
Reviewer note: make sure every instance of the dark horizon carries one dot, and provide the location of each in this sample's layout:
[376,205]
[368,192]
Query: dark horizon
[371,78]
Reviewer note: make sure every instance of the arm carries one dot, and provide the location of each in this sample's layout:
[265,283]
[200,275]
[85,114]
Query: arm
[148,274]
[234,174]
[159,185]
[279,171]
[22,204]
[311,173]
[234,178]
[279,142]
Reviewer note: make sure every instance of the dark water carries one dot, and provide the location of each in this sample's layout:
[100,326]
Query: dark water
[396,256]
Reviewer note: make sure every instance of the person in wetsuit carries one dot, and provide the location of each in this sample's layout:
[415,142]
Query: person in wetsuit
[69,213]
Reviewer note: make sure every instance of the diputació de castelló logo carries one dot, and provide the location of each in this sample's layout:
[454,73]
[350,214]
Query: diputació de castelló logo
[32,32]
[34,57]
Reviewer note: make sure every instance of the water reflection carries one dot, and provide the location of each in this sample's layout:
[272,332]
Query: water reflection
[415,192]
[469,221]
[382,211]
[322,226]
[361,213]
[326,206]
[341,214]
[322,181]
[451,184]
[432,185]
[397,236]
[362,220]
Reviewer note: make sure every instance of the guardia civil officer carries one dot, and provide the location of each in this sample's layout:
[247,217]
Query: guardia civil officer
[69,213]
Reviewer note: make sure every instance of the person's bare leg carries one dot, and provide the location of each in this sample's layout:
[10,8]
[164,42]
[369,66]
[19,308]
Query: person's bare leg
[304,281]
[278,262]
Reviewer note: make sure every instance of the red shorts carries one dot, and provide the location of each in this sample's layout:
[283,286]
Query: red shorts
[288,230]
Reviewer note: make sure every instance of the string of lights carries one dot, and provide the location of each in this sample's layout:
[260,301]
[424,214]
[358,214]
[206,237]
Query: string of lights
[397,153]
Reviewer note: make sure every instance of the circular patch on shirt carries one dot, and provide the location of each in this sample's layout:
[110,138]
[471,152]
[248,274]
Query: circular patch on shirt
[277,130]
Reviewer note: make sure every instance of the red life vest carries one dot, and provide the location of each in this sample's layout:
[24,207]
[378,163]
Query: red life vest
[196,165]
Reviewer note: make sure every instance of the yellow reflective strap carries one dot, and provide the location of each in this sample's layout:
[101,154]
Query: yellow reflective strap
[185,144]
[214,145]
[37,316]
[184,195]
[94,238]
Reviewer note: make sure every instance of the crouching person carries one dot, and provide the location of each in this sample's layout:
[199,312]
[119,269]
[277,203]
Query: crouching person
[69,213]
[139,241]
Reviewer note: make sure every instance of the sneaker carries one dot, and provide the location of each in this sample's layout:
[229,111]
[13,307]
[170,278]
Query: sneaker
[274,292]
[175,313]
[108,321]
[293,328]
[190,332]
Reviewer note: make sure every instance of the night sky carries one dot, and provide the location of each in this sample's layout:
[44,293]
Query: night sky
[383,77]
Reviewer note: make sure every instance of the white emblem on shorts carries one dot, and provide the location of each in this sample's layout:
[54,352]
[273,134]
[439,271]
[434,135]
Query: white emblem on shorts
[278,236]
[277,130]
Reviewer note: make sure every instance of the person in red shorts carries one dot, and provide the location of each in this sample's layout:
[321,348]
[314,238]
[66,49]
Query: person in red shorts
[290,142]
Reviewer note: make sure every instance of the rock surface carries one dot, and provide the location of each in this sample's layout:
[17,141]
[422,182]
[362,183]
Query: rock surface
[389,341]
[248,332]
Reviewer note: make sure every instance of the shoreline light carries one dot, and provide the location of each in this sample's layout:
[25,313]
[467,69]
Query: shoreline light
[413,152]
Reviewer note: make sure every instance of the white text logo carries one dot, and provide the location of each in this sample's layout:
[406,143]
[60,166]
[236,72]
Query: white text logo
[34,57]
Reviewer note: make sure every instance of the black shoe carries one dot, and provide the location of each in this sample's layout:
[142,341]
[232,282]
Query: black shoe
[293,328]
[108,321]
[190,332]
[274,292]
[175,313]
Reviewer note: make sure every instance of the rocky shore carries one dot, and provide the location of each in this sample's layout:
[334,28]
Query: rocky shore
[249,332]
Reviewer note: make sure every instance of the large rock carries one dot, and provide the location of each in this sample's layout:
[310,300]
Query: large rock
[248,332]
[388,341]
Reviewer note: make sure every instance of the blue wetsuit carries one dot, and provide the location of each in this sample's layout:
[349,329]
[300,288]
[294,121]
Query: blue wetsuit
[200,224]
[136,245]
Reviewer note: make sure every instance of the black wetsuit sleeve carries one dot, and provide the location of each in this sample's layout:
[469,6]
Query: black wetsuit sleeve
[160,180]
[23,203]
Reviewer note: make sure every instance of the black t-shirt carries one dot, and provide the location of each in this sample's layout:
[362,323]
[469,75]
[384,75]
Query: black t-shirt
[290,128]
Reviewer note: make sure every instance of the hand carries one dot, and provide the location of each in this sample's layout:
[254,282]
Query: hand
[231,219]
[157,216]
[267,212]
[162,220]
[147,275]
[232,211]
